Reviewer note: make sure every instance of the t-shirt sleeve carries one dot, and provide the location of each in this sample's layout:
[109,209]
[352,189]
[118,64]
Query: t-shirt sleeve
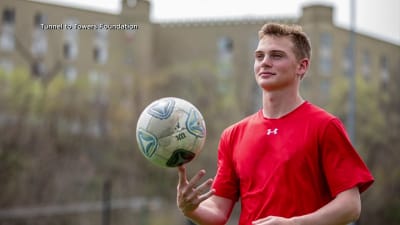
[225,181]
[343,166]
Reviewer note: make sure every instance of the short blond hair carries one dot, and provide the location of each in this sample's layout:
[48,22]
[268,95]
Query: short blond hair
[300,40]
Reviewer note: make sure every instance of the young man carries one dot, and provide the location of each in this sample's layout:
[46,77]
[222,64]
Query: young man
[291,162]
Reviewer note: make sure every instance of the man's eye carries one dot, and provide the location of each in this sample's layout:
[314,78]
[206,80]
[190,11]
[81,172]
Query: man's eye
[276,56]
[259,56]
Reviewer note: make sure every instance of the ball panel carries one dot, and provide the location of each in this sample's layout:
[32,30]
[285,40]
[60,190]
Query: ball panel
[162,109]
[148,143]
[194,124]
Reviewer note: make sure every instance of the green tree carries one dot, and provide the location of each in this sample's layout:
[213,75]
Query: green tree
[376,139]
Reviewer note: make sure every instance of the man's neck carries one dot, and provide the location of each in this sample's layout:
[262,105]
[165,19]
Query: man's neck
[278,104]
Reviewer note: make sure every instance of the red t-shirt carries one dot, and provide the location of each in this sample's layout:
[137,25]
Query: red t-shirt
[289,166]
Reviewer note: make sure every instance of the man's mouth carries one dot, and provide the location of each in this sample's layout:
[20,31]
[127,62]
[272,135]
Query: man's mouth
[266,74]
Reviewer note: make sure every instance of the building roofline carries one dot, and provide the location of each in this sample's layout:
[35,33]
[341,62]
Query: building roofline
[223,21]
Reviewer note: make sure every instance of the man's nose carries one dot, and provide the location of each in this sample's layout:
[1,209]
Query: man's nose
[266,61]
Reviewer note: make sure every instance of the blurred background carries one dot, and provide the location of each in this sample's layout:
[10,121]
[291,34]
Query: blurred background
[70,96]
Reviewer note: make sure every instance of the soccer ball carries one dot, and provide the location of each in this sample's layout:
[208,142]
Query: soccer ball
[170,132]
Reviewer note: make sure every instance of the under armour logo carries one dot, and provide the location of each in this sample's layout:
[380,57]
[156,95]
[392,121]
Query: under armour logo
[272,131]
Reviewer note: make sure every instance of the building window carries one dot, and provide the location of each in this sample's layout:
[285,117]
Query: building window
[70,47]
[9,16]
[70,73]
[366,65]
[100,48]
[39,38]
[225,55]
[225,46]
[253,43]
[70,50]
[347,61]
[100,54]
[39,19]
[7,39]
[325,54]
[7,36]
[38,69]
[384,69]
[39,42]
[98,78]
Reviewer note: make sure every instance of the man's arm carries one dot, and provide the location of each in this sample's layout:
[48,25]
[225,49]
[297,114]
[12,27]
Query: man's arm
[345,208]
[213,211]
[198,202]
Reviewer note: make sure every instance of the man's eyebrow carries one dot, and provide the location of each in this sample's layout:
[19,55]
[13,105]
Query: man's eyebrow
[270,51]
[277,51]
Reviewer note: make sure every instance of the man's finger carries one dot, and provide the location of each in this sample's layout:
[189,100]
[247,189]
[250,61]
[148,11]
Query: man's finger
[200,189]
[193,182]
[204,186]
[206,195]
[182,176]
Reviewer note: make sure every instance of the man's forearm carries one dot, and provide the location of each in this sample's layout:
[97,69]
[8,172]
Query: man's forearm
[205,215]
[345,208]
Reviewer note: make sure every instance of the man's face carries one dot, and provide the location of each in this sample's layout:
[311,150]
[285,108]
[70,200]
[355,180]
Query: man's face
[275,64]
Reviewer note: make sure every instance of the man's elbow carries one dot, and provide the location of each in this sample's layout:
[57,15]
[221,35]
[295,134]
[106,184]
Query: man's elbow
[351,204]
[355,211]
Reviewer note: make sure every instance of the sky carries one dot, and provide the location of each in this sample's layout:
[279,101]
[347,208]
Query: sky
[376,18]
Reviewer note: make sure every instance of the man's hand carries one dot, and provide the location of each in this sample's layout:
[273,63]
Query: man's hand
[274,220]
[189,193]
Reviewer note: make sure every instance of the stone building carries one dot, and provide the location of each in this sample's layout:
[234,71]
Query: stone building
[51,40]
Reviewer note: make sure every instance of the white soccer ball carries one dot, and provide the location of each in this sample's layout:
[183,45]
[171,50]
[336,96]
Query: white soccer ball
[170,132]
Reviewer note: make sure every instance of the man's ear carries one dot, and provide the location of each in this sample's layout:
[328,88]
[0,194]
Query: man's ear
[303,67]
